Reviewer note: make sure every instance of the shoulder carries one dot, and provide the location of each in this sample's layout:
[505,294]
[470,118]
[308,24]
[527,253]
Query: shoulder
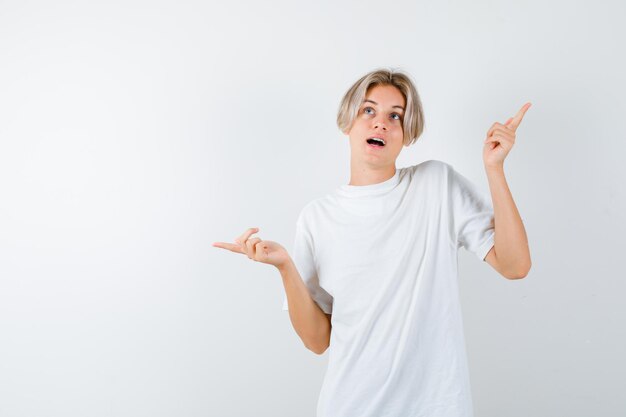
[433,168]
[312,209]
[431,164]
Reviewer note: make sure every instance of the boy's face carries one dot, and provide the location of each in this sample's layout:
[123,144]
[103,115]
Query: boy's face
[380,115]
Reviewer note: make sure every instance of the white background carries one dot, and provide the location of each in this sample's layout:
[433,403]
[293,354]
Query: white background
[135,134]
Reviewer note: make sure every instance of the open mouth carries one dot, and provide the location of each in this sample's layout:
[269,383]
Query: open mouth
[376,142]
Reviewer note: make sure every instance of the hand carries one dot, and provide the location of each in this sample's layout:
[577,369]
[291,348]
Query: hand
[256,249]
[500,139]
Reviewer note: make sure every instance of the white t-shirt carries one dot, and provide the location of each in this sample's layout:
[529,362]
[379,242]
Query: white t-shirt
[382,258]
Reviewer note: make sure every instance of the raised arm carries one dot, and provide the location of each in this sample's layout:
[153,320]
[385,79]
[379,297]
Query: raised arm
[510,255]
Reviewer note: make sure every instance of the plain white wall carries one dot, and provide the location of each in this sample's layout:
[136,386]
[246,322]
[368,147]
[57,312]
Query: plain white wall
[134,134]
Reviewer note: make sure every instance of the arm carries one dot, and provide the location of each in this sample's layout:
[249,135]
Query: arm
[510,255]
[308,319]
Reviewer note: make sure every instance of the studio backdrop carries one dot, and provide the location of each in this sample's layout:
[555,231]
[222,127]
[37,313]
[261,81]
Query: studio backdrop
[135,134]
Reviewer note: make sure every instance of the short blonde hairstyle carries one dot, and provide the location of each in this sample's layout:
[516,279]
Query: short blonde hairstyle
[413,120]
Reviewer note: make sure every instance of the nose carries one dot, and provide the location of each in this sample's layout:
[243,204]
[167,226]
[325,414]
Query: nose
[379,124]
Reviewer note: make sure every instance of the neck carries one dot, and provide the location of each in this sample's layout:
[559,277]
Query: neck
[366,175]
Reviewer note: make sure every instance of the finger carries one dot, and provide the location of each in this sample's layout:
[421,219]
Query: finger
[501,131]
[243,237]
[506,133]
[492,139]
[495,126]
[498,139]
[230,246]
[260,248]
[498,135]
[250,247]
[517,119]
[490,131]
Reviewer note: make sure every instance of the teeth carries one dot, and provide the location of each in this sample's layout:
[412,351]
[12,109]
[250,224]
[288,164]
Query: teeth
[379,140]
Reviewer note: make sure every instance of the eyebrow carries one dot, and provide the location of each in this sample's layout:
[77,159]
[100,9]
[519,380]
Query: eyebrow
[372,101]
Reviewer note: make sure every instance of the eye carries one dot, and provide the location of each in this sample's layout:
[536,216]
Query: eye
[399,117]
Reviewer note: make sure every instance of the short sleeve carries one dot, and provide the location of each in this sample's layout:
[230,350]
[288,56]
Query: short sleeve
[304,260]
[472,215]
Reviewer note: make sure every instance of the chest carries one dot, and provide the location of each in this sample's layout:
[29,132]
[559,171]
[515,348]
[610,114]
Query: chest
[359,257]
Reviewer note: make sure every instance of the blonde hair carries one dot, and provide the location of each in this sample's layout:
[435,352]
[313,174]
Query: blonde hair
[413,123]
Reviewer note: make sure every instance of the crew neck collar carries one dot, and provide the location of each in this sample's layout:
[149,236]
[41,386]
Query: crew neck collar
[371,189]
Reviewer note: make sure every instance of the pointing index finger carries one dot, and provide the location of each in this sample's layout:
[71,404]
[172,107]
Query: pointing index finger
[517,119]
[230,246]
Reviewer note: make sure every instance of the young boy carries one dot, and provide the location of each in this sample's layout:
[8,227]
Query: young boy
[375,261]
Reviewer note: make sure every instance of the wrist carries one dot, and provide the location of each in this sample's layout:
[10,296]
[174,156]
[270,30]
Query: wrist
[285,266]
[498,168]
